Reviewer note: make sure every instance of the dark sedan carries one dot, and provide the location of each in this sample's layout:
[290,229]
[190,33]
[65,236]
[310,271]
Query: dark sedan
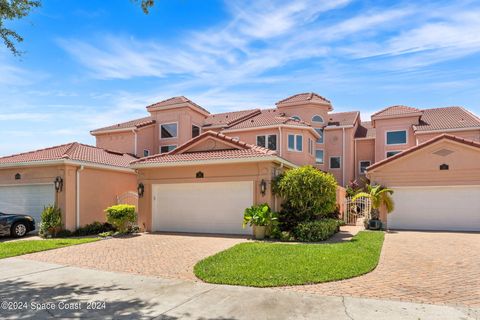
[15,225]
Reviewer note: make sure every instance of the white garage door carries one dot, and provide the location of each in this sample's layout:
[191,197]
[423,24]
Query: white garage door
[208,207]
[455,208]
[26,199]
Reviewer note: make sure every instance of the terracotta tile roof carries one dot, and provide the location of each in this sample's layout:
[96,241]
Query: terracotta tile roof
[229,118]
[395,111]
[137,123]
[305,97]
[175,100]
[269,117]
[447,118]
[422,145]
[72,151]
[365,130]
[343,118]
[181,154]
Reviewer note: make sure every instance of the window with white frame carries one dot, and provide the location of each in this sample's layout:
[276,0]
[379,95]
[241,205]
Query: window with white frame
[165,149]
[267,141]
[295,142]
[195,131]
[392,153]
[396,137]
[319,156]
[335,162]
[364,164]
[146,152]
[320,133]
[317,118]
[168,130]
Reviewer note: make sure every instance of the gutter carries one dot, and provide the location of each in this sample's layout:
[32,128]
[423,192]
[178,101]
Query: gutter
[276,159]
[343,157]
[65,162]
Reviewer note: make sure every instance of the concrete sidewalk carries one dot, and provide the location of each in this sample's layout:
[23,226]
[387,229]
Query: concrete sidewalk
[44,291]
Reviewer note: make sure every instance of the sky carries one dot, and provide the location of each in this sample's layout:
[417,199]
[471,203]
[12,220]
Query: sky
[88,64]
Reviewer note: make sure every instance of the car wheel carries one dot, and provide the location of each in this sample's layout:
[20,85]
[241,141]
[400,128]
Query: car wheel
[19,229]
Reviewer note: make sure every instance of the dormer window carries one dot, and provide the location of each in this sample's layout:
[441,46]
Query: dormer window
[317,119]
[168,130]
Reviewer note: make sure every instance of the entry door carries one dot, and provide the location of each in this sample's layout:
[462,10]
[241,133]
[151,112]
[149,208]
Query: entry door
[204,207]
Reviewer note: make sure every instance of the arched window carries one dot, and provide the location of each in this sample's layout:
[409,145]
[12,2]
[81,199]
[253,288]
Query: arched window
[297,118]
[317,118]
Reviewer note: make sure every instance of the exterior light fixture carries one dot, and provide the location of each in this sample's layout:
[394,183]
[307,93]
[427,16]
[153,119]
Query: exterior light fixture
[444,166]
[263,187]
[140,189]
[58,184]
[199,175]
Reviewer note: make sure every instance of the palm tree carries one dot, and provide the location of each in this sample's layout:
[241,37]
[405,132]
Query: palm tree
[379,195]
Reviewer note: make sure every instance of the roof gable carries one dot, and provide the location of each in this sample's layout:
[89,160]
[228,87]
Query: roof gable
[398,110]
[177,102]
[418,148]
[302,98]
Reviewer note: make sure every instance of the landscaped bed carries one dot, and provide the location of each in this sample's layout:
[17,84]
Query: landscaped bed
[261,264]
[16,248]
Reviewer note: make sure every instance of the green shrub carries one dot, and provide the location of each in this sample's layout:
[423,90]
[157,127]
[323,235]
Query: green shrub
[316,230]
[307,193]
[51,221]
[94,229]
[122,216]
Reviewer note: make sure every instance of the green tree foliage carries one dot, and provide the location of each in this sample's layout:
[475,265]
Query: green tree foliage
[379,195]
[307,192]
[13,10]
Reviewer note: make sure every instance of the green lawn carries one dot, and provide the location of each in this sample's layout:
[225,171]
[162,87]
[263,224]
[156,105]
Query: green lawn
[16,248]
[260,264]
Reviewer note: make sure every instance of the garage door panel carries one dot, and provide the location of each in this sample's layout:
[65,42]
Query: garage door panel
[211,207]
[455,208]
[26,199]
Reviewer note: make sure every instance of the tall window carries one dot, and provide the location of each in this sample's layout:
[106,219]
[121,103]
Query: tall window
[319,156]
[317,118]
[335,162]
[195,131]
[310,146]
[397,137]
[168,130]
[320,132]
[165,149]
[295,142]
[267,141]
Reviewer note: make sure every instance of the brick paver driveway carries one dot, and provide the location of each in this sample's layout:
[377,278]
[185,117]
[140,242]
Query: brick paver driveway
[429,267]
[164,255]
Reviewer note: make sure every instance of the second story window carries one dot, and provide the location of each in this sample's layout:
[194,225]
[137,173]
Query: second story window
[335,162]
[165,149]
[295,142]
[364,165]
[146,153]
[320,132]
[396,137]
[317,118]
[392,153]
[168,130]
[319,156]
[267,141]
[195,131]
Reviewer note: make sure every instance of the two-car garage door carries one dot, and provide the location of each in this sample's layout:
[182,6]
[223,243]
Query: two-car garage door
[454,208]
[26,199]
[205,207]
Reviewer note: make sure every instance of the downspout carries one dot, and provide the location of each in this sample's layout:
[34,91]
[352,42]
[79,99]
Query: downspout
[280,141]
[135,140]
[77,218]
[355,165]
[343,157]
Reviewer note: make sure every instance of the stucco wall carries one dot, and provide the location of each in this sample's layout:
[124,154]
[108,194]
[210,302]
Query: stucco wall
[120,141]
[365,152]
[212,173]
[470,135]
[384,125]
[99,189]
